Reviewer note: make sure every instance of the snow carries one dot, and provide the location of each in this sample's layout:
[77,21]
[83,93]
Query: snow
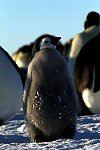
[14,136]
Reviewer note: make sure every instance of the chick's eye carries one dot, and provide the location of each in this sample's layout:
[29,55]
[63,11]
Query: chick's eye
[46,42]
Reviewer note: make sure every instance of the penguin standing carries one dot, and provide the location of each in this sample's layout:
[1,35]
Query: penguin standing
[83,58]
[11,87]
[22,57]
[87,76]
[50,101]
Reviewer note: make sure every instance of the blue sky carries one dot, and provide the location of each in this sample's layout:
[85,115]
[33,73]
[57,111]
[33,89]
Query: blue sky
[22,21]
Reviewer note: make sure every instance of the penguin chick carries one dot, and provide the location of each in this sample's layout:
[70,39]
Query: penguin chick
[50,102]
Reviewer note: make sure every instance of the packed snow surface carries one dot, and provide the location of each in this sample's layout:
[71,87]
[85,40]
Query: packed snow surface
[14,136]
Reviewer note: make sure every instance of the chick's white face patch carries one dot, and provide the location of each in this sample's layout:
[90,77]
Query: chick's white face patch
[46,43]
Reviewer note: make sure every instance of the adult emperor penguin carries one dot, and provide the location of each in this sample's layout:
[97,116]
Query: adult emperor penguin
[50,102]
[87,76]
[92,29]
[11,87]
[22,57]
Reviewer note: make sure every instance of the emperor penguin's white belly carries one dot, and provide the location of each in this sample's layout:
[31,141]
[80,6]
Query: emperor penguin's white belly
[11,88]
[92,100]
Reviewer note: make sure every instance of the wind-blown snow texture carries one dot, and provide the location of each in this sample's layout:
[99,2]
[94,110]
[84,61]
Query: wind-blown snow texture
[14,136]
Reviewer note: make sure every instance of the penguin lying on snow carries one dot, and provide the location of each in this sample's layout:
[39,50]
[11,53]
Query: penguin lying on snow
[11,87]
[87,76]
[50,102]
